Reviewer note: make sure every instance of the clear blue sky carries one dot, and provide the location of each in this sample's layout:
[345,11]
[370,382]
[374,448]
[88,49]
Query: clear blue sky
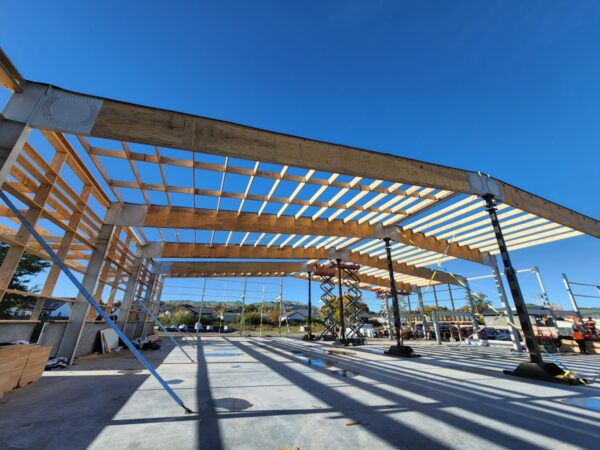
[509,88]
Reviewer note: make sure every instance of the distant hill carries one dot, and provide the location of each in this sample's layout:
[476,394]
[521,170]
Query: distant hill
[232,305]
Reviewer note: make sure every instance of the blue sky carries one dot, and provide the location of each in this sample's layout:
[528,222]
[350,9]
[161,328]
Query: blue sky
[509,88]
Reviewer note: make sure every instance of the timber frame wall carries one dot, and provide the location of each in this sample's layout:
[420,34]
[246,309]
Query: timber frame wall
[301,200]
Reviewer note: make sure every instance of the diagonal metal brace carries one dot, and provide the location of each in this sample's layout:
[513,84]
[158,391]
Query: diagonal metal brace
[92,302]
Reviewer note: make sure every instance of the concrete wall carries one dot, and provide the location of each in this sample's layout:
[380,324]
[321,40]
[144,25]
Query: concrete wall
[52,335]
[90,339]
[148,328]
[11,332]
[54,330]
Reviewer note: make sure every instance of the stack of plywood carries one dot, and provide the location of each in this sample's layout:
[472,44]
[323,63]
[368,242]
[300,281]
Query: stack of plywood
[36,363]
[21,365]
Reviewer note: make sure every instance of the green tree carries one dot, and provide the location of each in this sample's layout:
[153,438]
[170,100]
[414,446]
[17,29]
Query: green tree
[28,266]
[165,319]
[183,316]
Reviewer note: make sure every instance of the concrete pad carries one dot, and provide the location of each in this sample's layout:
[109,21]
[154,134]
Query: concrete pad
[255,393]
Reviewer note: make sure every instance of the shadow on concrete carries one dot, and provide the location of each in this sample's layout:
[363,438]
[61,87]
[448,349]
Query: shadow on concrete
[71,410]
[495,416]
[209,433]
[383,426]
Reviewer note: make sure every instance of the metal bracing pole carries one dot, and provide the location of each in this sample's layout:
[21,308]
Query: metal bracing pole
[544,294]
[91,302]
[532,345]
[394,292]
[79,310]
[243,318]
[514,333]
[309,305]
[342,335]
[164,330]
[572,297]
[451,298]
[280,304]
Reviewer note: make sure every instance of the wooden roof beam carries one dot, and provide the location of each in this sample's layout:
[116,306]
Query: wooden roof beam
[189,250]
[204,219]
[95,116]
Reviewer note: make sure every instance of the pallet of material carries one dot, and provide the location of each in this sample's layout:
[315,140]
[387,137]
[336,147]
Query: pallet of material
[21,365]
[12,362]
[36,363]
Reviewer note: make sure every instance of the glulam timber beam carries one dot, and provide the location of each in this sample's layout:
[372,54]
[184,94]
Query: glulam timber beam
[190,250]
[204,219]
[110,119]
[248,269]
[365,280]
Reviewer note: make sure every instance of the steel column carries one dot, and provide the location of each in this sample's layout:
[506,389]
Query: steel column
[394,292]
[423,315]
[309,305]
[129,292]
[81,307]
[342,331]
[514,333]
[139,332]
[164,330]
[532,345]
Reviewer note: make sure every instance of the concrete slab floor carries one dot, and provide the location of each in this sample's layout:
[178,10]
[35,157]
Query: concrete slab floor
[270,393]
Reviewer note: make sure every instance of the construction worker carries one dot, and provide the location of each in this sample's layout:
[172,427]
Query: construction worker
[590,326]
[579,337]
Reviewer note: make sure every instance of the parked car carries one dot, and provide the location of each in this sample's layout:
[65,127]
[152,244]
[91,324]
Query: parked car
[486,333]
[503,335]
